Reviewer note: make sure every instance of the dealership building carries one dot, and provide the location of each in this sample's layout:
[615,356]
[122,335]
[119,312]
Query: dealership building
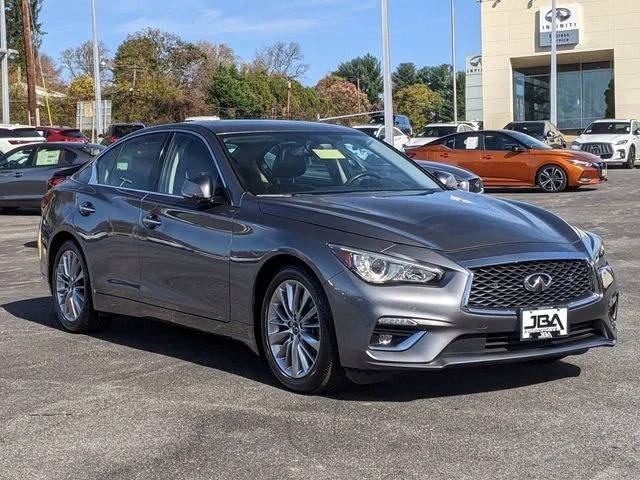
[598,62]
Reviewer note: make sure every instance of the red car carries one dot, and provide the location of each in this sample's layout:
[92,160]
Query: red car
[62,134]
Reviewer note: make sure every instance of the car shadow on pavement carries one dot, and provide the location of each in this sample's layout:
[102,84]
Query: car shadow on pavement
[158,337]
[233,357]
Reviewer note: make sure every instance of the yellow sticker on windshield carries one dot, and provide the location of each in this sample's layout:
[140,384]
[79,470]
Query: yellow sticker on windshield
[328,153]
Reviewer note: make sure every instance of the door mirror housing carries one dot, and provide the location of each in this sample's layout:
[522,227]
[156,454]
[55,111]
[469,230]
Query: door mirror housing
[201,190]
[447,179]
[517,149]
[636,131]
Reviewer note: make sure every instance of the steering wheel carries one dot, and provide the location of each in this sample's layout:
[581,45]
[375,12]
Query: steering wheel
[353,179]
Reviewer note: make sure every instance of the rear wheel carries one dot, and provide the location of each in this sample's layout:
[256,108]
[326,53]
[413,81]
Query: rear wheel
[552,178]
[297,333]
[71,288]
[631,157]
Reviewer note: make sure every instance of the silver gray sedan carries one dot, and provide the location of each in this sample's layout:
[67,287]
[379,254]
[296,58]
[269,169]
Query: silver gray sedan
[322,249]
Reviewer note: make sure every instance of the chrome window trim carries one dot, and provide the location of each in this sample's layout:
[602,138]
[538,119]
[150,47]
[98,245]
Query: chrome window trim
[93,180]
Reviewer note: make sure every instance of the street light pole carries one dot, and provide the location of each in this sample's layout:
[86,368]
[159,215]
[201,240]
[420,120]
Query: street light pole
[386,75]
[97,112]
[453,62]
[4,63]
[553,84]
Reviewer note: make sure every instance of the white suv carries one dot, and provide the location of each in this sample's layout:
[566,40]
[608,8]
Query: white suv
[433,131]
[12,136]
[614,141]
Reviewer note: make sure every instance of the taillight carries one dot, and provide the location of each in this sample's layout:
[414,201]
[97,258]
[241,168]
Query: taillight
[53,181]
[19,142]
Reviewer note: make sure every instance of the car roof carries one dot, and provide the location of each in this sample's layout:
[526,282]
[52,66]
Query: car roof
[119,124]
[54,127]
[72,145]
[444,124]
[607,120]
[14,126]
[245,126]
[530,121]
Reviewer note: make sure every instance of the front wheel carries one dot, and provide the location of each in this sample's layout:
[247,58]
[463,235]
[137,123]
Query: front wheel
[631,158]
[552,179]
[298,337]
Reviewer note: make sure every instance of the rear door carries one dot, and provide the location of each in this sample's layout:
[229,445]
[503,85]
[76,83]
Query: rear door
[108,213]
[500,165]
[184,255]
[12,168]
[464,153]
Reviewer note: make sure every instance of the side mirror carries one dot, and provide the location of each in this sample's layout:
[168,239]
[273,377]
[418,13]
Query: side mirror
[550,134]
[517,149]
[201,190]
[446,178]
[579,132]
[636,131]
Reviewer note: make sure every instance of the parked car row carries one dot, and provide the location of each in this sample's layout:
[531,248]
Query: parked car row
[325,250]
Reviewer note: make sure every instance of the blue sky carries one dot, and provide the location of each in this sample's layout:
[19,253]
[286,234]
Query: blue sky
[329,31]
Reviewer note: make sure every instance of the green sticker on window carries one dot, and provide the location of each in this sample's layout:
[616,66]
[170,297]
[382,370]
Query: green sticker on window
[328,153]
[122,166]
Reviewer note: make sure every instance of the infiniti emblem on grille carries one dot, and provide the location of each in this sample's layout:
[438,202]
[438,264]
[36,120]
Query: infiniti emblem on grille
[537,282]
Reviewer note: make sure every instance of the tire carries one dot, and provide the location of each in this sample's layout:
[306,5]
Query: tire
[282,330]
[551,179]
[74,307]
[631,158]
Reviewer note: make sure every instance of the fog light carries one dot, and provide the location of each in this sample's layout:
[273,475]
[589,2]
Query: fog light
[606,276]
[585,179]
[385,339]
[397,322]
[622,154]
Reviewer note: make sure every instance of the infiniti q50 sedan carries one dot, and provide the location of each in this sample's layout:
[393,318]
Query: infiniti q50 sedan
[330,264]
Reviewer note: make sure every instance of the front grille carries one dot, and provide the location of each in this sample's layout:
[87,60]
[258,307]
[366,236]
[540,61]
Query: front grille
[501,342]
[502,286]
[598,149]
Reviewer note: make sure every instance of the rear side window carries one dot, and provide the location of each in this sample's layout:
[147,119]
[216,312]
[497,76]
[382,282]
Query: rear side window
[48,157]
[72,133]
[135,165]
[18,159]
[187,157]
[19,133]
[468,141]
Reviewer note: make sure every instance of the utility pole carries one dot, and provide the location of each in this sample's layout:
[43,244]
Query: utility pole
[386,75]
[4,63]
[553,84]
[289,99]
[31,67]
[453,62]
[97,111]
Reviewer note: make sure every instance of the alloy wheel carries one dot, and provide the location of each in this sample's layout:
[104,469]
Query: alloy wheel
[552,179]
[70,286]
[293,329]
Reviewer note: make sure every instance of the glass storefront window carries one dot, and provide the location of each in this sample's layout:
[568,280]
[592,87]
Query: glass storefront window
[585,93]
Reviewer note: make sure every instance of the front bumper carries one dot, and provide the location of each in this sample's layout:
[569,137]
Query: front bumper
[453,336]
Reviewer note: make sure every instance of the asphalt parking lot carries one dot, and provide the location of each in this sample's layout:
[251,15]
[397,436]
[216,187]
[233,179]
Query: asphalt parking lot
[147,400]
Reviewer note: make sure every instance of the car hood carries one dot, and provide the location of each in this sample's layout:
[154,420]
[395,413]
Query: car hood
[569,154]
[450,220]
[419,141]
[602,138]
[459,173]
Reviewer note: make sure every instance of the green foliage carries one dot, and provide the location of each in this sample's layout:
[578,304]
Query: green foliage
[15,38]
[81,89]
[406,74]
[365,70]
[438,79]
[419,103]
[341,97]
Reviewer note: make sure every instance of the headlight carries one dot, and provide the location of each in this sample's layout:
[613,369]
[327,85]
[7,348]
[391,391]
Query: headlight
[622,142]
[463,185]
[576,146]
[581,163]
[381,269]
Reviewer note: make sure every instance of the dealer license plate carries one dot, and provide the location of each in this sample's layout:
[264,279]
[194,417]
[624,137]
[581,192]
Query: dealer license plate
[543,323]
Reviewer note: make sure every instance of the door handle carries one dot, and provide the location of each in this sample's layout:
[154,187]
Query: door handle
[151,222]
[86,209]
[18,174]
[487,157]
[445,155]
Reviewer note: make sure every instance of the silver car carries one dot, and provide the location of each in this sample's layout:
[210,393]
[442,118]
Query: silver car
[330,263]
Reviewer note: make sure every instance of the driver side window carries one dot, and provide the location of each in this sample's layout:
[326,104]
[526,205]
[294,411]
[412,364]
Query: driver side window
[499,142]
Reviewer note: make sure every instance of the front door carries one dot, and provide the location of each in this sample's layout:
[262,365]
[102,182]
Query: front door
[13,166]
[501,165]
[184,254]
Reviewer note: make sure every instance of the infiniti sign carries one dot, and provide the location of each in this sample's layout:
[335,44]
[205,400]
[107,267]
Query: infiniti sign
[562,15]
[567,23]
[537,282]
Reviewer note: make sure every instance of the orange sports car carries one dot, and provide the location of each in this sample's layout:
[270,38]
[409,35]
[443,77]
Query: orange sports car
[505,158]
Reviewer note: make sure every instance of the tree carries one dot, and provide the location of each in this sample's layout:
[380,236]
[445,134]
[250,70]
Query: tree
[367,72]
[81,89]
[419,103]
[78,60]
[406,74]
[212,57]
[48,69]
[282,58]
[15,40]
[438,79]
[231,95]
[340,97]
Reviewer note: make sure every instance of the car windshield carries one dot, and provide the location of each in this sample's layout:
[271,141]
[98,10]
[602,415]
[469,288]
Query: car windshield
[608,128]
[529,141]
[316,162]
[122,130]
[435,131]
[19,133]
[528,128]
